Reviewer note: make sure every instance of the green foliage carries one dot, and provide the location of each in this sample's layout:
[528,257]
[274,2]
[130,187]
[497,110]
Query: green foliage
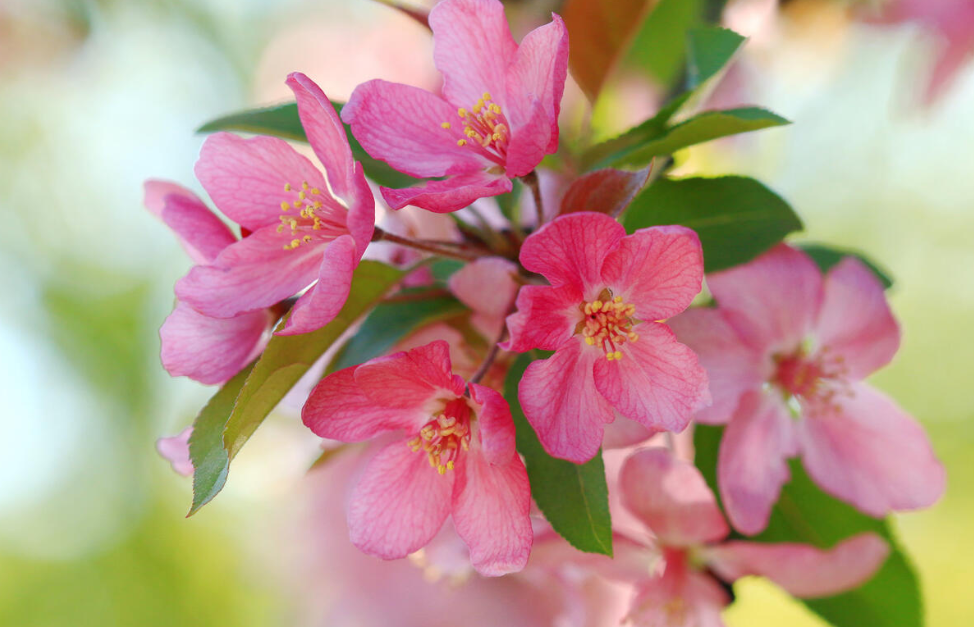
[573,497]
[660,44]
[285,360]
[709,50]
[736,217]
[806,514]
[283,121]
[827,256]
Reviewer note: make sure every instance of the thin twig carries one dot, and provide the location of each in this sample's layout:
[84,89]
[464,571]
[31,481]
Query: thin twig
[531,180]
[495,348]
[425,246]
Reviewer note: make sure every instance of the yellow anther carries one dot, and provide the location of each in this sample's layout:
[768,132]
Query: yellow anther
[486,96]
[617,299]
[285,206]
[280,228]
[287,187]
[441,469]
[295,243]
[302,195]
[297,204]
[317,204]
[449,465]
[461,142]
[617,355]
[495,108]
[445,125]
[306,238]
[590,340]
[462,112]
[304,185]
[597,305]
[610,356]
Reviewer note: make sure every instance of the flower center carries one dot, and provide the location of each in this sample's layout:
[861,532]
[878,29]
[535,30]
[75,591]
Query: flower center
[313,210]
[608,324]
[445,436]
[486,129]
[816,378]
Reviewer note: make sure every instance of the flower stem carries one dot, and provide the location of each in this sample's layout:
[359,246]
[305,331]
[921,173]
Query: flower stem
[423,245]
[531,180]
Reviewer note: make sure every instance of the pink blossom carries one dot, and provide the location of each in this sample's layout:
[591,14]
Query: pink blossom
[456,457]
[681,572]
[787,352]
[497,119]
[205,349]
[300,228]
[487,286]
[175,450]
[601,316]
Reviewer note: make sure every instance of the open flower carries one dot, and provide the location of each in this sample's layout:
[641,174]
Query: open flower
[600,315]
[681,572]
[205,349]
[497,119]
[299,227]
[786,352]
[456,457]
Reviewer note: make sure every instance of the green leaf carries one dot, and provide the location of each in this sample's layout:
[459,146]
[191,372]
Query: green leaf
[709,50]
[660,44]
[827,256]
[283,121]
[390,322]
[443,269]
[806,514]
[285,360]
[573,497]
[736,217]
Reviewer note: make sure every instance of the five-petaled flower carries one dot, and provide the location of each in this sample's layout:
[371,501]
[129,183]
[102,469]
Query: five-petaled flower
[601,316]
[786,352]
[497,119]
[299,227]
[456,457]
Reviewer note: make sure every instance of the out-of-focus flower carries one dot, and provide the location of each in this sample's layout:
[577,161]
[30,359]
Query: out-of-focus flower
[600,315]
[297,228]
[205,349]
[497,119]
[175,450]
[457,458]
[785,344]
[488,287]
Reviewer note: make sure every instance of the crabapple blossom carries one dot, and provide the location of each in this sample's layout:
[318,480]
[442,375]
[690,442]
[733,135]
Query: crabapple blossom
[175,450]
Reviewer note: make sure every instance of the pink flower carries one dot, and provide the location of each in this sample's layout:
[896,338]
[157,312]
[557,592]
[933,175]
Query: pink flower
[786,352]
[601,317]
[488,287]
[175,450]
[457,457]
[497,119]
[681,576]
[205,349]
[298,231]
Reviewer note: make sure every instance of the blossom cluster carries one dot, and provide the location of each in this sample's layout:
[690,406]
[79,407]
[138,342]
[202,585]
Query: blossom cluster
[624,347]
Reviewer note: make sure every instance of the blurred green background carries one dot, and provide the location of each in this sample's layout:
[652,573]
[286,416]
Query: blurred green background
[97,96]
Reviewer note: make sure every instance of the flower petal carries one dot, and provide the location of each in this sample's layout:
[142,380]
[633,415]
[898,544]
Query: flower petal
[623,433]
[559,399]
[492,503]
[246,177]
[403,126]
[486,285]
[855,322]
[175,450]
[201,233]
[472,47]
[658,382]
[752,463]
[659,270]
[867,451]
[361,211]
[410,379]
[802,569]
[772,301]
[156,190]
[399,503]
[450,194]
[546,317]
[320,304]
[571,250]
[211,350]
[496,425]
[529,142]
[671,497]
[678,598]
[732,366]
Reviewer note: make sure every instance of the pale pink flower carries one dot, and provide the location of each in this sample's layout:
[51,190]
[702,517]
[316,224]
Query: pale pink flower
[488,288]
[497,119]
[300,228]
[205,349]
[456,457]
[175,450]
[601,316]
[787,352]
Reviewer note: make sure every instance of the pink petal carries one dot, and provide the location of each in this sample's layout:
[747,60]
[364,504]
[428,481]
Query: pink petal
[402,125]
[571,250]
[678,599]
[246,177]
[733,368]
[658,382]
[801,569]
[319,305]
[529,142]
[211,350]
[492,503]
[539,70]
[156,190]
[399,503]
[659,270]
[856,323]
[411,379]
[486,285]
[361,211]
[752,463]
[254,273]
[560,401]
[624,433]
[496,425]
[472,47]
[546,317]
[869,452]
[449,194]
[175,450]
[201,233]
[325,132]
[772,301]
[338,409]
[672,498]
